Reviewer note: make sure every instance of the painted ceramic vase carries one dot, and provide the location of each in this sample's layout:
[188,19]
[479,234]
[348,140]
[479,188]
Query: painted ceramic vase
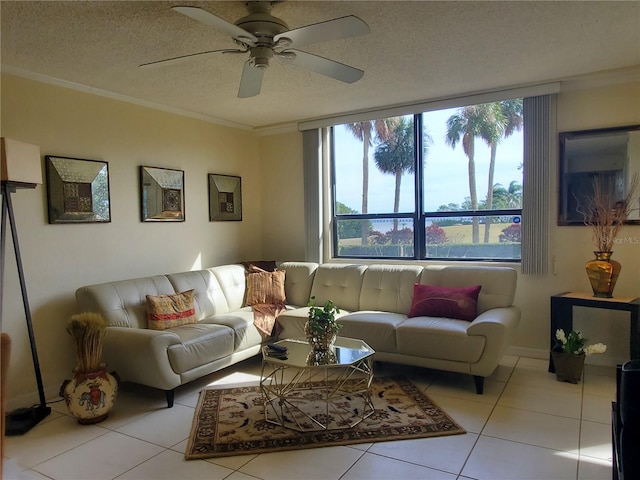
[90,396]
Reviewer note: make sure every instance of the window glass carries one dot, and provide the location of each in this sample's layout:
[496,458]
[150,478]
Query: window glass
[469,201]
[374,165]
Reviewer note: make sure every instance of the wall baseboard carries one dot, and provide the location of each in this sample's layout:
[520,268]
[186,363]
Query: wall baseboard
[528,352]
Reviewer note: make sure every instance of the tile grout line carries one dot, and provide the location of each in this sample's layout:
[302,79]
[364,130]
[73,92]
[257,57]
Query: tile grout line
[464,464]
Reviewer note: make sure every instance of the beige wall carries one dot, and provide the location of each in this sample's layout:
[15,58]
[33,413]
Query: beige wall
[59,258]
[282,197]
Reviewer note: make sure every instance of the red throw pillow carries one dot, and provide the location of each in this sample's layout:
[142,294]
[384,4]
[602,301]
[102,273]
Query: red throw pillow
[433,301]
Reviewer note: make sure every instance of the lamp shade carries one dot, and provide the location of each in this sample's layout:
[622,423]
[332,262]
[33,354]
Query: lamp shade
[20,162]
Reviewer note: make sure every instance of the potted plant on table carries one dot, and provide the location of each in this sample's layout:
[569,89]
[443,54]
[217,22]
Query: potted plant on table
[322,327]
[569,354]
[91,394]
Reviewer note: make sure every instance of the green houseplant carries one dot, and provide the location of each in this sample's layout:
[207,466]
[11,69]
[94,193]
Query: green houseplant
[569,354]
[91,394]
[322,327]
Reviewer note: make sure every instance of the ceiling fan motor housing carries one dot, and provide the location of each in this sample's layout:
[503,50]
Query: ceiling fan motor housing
[264,26]
[261,23]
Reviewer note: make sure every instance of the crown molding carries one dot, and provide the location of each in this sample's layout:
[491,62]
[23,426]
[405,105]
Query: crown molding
[18,72]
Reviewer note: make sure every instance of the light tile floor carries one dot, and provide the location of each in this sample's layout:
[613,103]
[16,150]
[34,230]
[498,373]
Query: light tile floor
[526,426]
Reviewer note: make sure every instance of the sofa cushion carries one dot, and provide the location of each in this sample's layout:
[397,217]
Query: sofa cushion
[122,303]
[498,283]
[232,280]
[439,339]
[434,301]
[208,297]
[200,343]
[300,276]
[339,283]
[246,335]
[377,329]
[389,288]
[266,288]
[166,311]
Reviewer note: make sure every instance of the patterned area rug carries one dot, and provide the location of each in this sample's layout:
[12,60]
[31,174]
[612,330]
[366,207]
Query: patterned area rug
[231,422]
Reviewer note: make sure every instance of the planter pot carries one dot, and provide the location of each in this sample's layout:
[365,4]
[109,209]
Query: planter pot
[320,339]
[90,396]
[568,367]
[603,274]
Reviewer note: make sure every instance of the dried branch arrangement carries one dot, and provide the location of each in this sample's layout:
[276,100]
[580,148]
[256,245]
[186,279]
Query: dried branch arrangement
[88,331]
[605,214]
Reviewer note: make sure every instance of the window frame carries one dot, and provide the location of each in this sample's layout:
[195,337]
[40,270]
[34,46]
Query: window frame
[419,216]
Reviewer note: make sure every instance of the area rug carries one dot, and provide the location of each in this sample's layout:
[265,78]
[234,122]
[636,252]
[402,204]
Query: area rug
[231,422]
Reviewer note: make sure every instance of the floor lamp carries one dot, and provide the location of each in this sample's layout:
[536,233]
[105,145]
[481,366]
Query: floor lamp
[20,168]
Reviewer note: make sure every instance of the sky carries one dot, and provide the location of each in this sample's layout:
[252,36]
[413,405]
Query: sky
[449,168]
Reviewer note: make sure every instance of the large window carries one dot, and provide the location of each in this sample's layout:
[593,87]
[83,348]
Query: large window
[444,184]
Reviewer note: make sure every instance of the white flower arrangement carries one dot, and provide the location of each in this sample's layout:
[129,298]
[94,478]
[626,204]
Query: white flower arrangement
[574,344]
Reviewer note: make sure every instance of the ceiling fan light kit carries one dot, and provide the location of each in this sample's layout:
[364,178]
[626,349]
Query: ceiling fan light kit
[264,37]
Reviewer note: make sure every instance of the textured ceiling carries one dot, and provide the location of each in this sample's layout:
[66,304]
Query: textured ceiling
[416,51]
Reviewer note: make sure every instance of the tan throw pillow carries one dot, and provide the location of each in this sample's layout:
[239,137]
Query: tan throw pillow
[166,311]
[266,288]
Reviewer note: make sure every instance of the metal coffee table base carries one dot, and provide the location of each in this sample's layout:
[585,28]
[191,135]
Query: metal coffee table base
[315,398]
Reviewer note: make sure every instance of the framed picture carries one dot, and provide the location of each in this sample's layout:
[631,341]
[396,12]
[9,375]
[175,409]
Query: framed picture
[225,198]
[162,194]
[77,190]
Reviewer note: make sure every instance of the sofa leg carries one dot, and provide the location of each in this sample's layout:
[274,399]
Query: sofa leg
[479,384]
[171,395]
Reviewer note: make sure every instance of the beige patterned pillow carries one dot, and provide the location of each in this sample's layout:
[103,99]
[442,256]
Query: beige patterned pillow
[266,288]
[166,311]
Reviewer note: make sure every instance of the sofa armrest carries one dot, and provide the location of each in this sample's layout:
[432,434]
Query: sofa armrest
[497,325]
[140,355]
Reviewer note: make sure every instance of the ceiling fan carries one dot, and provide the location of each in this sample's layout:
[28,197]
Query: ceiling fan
[264,37]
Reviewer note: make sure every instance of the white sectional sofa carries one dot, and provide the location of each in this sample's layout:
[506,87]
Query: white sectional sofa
[374,301]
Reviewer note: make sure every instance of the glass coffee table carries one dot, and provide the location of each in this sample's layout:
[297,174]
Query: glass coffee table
[310,391]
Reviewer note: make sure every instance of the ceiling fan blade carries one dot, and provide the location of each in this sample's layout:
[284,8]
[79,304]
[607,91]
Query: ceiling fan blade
[251,81]
[184,58]
[324,66]
[344,27]
[218,23]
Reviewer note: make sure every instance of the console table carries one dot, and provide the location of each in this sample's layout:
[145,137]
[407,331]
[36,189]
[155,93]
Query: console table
[562,316]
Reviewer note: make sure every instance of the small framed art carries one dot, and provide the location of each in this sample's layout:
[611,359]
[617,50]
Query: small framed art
[77,190]
[225,198]
[162,194]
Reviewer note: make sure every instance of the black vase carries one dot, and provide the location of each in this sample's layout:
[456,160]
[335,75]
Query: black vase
[628,442]
[630,396]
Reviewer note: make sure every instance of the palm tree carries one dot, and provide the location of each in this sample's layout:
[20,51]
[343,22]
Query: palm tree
[514,195]
[464,127]
[503,119]
[366,132]
[396,156]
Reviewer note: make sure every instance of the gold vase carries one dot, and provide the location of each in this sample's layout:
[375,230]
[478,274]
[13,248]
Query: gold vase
[603,274]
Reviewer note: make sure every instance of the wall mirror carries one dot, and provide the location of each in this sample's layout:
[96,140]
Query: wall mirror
[77,190]
[162,192]
[225,198]
[609,155]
